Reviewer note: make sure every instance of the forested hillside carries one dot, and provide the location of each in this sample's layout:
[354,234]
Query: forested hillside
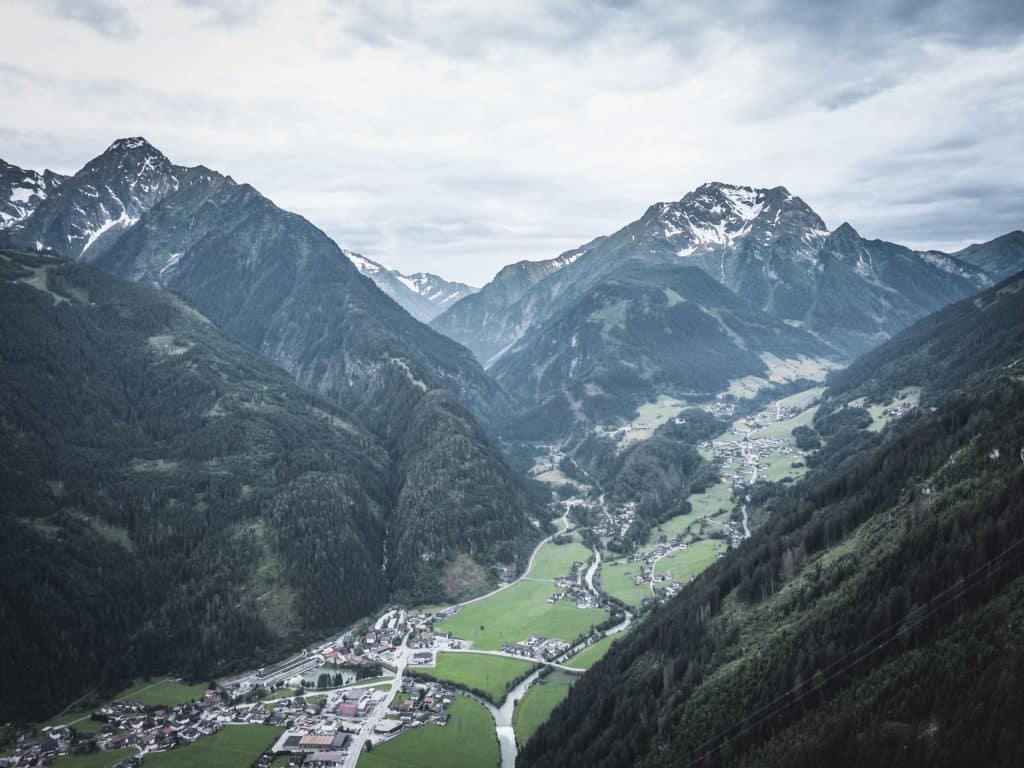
[874,618]
[174,502]
[279,285]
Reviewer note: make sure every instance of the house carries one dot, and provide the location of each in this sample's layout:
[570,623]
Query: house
[324,759]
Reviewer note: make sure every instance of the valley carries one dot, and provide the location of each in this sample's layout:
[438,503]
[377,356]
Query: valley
[423,686]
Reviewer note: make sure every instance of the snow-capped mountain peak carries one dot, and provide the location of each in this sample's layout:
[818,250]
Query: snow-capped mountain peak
[422,295]
[22,190]
[107,196]
[718,215]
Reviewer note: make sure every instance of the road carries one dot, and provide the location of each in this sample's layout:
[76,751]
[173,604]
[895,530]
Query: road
[555,664]
[564,520]
[366,732]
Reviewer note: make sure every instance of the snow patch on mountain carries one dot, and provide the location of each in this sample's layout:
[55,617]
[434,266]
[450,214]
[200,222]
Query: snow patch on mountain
[422,294]
[952,266]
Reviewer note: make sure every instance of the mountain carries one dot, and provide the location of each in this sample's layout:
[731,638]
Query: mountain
[279,285]
[645,331]
[266,275]
[22,191]
[766,245]
[483,320]
[171,500]
[102,200]
[874,617]
[1001,257]
[422,295]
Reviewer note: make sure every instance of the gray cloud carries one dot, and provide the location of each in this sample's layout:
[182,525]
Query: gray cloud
[457,137]
[229,13]
[108,18]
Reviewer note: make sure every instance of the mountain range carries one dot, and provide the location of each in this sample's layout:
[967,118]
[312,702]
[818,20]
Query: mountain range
[422,295]
[224,435]
[610,322]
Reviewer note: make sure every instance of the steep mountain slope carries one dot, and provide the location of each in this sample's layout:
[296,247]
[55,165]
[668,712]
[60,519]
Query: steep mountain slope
[1001,257]
[169,499]
[874,617]
[173,501]
[21,191]
[422,295]
[280,286]
[647,330]
[486,321]
[767,246]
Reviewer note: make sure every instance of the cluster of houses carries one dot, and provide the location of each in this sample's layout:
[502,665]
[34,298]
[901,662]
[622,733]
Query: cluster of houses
[898,409]
[418,703]
[125,724]
[616,521]
[570,589]
[719,408]
[546,648]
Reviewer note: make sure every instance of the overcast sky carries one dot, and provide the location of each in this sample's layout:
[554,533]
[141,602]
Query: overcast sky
[455,137]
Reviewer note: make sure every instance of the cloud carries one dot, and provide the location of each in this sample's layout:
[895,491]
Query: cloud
[107,18]
[458,136]
[229,13]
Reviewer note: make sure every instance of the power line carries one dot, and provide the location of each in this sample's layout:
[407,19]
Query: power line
[771,709]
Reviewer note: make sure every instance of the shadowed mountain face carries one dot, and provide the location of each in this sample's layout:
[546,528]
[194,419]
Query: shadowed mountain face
[269,277]
[874,617]
[194,508]
[422,295]
[765,245]
[170,500]
[645,330]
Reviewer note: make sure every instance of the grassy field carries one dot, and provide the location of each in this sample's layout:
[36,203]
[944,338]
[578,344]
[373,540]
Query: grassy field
[556,560]
[541,698]
[650,416]
[589,656]
[493,674]
[718,497]
[467,741]
[236,746]
[162,692]
[517,613]
[780,465]
[617,580]
[909,396]
[95,760]
[686,563]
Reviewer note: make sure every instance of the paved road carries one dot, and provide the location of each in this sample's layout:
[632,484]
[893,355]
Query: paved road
[556,665]
[366,732]
[564,520]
